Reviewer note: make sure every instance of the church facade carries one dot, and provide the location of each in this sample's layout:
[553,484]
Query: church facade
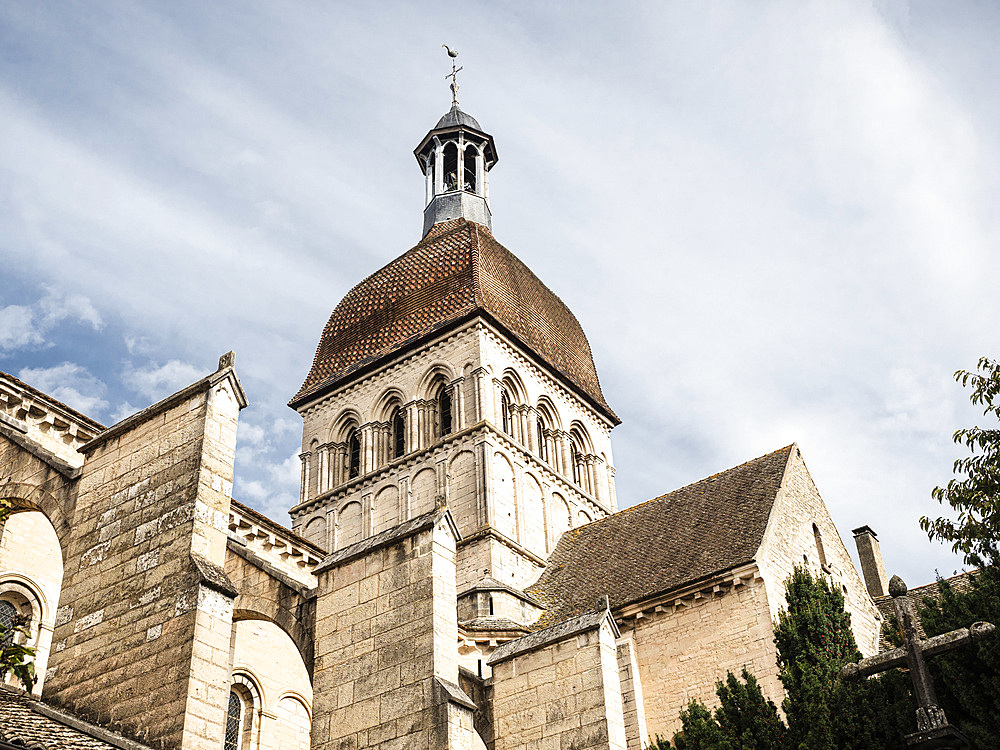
[457,573]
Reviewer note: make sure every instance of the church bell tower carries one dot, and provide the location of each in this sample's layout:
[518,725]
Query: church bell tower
[454,376]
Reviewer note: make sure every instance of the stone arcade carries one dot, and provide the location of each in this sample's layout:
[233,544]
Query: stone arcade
[457,573]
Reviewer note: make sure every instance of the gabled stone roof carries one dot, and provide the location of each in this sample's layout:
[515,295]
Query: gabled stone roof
[32,724]
[458,271]
[649,549]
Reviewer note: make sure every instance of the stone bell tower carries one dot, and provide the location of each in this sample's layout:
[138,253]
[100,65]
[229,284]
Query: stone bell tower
[454,376]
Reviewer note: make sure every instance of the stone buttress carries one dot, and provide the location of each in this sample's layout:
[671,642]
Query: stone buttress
[143,629]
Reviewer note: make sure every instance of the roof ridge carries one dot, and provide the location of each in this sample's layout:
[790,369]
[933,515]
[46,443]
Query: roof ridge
[699,481]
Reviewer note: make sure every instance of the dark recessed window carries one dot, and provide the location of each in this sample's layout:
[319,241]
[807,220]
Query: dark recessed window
[353,453]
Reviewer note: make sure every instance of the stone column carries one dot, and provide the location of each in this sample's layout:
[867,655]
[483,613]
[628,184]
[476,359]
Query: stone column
[600,482]
[531,429]
[412,427]
[304,487]
[339,464]
[588,476]
[482,385]
[565,456]
[367,448]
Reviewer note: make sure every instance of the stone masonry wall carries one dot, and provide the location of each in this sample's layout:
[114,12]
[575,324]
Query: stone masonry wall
[791,540]
[386,636]
[563,695]
[682,651]
[144,624]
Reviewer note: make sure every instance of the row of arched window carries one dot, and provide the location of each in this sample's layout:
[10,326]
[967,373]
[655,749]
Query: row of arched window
[455,174]
[546,441]
[358,449]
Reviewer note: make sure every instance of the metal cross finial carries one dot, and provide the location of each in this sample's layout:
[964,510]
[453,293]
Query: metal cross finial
[453,75]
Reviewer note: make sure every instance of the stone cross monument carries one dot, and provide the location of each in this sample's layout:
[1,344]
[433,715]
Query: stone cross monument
[933,729]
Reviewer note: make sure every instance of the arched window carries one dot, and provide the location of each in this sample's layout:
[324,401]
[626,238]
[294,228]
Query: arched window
[505,417]
[469,180]
[234,721]
[450,167]
[818,538]
[353,453]
[543,448]
[398,433]
[444,410]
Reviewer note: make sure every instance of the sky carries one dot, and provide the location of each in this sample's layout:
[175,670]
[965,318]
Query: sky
[775,220]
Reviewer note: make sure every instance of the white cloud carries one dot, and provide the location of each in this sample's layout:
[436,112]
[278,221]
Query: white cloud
[123,411]
[70,383]
[23,326]
[18,328]
[159,381]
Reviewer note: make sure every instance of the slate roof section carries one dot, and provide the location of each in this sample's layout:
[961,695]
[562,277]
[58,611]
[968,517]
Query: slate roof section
[31,724]
[458,271]
[552,634]
[649,549]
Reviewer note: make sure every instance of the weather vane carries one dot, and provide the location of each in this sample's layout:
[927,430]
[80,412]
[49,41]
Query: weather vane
[453,75]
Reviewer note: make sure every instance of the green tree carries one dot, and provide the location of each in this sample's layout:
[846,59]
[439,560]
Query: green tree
[699,730]
[745,720]
[974,493]
[814,639]
[15,658]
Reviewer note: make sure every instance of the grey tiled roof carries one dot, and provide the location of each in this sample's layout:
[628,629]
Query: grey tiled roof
[652,548]
[30,724]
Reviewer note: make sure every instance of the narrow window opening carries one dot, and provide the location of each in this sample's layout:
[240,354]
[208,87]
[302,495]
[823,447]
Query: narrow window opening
[491,605]
[353,454]
[819,548]
[398,433]
[444,410]
[233,717]
[450,167]
[469,181]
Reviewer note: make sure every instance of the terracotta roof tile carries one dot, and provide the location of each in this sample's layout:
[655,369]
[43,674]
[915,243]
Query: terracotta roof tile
[457,271]
[686,535]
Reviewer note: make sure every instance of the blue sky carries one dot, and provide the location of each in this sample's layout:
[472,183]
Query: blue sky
[776,221]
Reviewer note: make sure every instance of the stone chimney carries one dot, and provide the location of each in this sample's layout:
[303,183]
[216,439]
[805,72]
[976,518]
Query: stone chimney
[872,567]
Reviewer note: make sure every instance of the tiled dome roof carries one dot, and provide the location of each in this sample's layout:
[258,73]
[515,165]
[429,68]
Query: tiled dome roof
[456,272]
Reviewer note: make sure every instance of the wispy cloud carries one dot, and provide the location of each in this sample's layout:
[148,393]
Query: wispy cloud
[159,381]
[24,326]
[72,384]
